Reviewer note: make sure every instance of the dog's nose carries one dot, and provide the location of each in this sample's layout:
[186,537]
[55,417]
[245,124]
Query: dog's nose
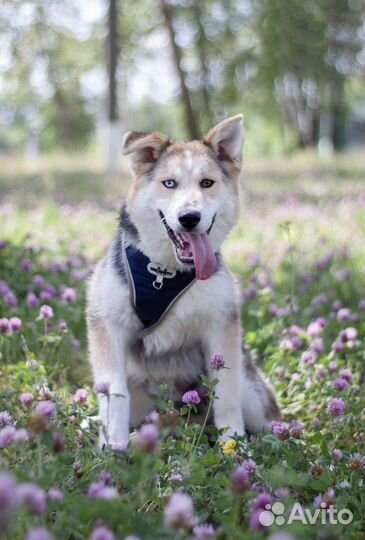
[189,220]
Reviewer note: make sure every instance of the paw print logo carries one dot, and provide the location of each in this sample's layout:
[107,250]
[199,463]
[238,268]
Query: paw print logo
[272,514]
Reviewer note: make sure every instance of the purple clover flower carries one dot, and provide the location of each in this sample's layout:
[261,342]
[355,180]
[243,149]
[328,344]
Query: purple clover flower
[102,387]
[350,334]
[7,499]
[179,511]
[81,395]
[320,299]
[325,500]
[254,520]
[10,299]
[340,384]
[314,329]
[282,493]
[21,436]
[308,357]
[317,345]
[343,274]
[46,312]
[296,429]
[62,325]
[147,439]
[204,532]
[69,295]
[5,418]
[46,408]
[4,287]
[280,430]
[344,484]
[26,265]
[99,489]
[336,407]
[33,497]
[4,326]
[286,345]
[240,480]
[217,361]
[153,417]
[346,374]
[106,477]
[321,372]
[176,477]
[250,465]
[39,533]
[32,300]
[7,436]
[262,500]
[45,296]
[191,398]
[55,494]
[343,314]
[26,398]
[337,346]
[102,533]
[38,280]
[15,324]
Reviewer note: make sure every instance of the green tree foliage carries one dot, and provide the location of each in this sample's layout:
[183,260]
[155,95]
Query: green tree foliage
[294,68]
[47,56]
[307,51]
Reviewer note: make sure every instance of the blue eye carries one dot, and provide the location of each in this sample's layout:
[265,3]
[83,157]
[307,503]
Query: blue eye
[206,183]
[170,184]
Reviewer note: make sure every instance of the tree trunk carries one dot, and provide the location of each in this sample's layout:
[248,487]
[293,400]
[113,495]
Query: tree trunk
[202,55]
[63,115]
[112,45]
[112,135]
[185,96]
[338,110]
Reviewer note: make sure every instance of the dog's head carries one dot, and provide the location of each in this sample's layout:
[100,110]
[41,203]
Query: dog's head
[184,198]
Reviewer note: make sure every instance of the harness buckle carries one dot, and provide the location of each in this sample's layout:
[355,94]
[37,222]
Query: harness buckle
[160,273]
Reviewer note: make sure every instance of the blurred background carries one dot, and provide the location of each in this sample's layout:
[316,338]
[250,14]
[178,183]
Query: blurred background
[76,74]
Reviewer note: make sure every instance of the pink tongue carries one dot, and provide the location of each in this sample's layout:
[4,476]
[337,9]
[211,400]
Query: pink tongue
[203,254]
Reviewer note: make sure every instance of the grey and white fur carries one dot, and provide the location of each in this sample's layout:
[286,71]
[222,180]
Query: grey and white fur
[205,319]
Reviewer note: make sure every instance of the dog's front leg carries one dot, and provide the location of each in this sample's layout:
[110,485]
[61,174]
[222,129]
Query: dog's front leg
[108,353]
[227,407]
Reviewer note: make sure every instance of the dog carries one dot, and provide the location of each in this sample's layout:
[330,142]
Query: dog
[162,301]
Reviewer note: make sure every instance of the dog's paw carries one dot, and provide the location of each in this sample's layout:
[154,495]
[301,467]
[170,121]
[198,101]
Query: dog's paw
[119,446]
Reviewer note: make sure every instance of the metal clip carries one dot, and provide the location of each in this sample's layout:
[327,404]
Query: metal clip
[160,274]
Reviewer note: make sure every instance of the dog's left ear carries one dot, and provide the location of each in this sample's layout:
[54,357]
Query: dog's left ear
[144,147]
[226,139]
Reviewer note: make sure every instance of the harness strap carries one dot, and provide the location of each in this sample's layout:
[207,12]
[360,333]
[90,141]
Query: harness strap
[154,289]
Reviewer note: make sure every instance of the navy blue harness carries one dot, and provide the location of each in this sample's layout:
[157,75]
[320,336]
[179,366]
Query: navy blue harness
[154,289]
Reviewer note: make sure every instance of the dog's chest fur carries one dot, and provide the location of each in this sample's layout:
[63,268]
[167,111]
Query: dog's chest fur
[174,348]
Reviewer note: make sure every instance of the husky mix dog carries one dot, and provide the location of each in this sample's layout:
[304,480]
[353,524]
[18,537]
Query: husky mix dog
[162,301]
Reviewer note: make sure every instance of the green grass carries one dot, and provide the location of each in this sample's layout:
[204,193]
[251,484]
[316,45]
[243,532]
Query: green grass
[60,214]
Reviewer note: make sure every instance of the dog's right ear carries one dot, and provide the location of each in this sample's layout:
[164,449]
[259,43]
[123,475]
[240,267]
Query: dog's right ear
[145,148]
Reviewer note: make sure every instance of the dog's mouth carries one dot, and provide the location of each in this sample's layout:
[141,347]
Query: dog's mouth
[193,249]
